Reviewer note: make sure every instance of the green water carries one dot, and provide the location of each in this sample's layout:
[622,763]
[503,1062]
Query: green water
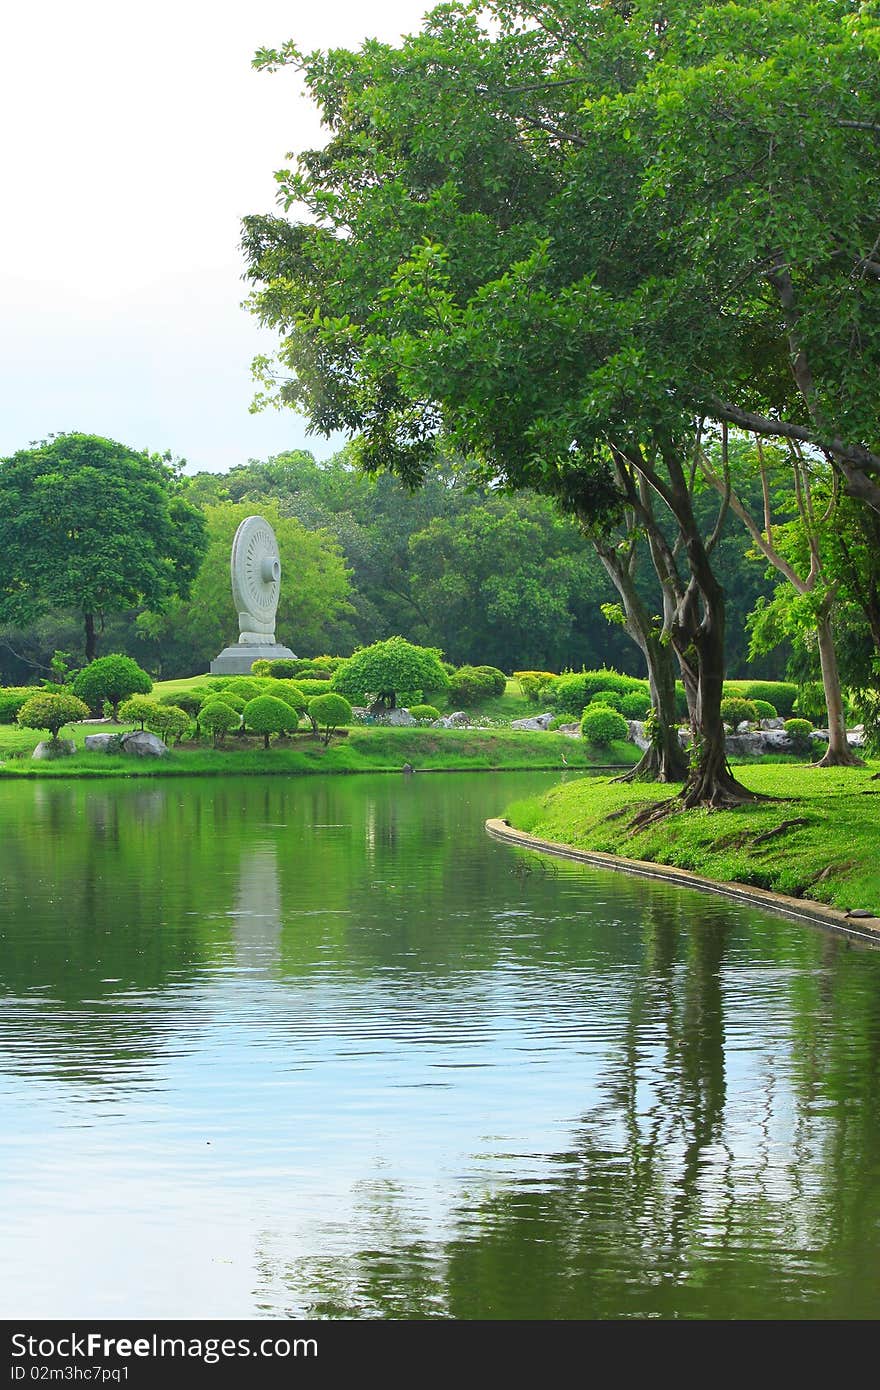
[319,1047]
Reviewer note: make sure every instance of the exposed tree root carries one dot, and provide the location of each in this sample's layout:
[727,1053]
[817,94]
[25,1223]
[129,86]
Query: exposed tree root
[657,765]
[840,759]
[716,789]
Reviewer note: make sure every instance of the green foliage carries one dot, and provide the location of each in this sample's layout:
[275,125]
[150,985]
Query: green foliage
[283,668]
[51,711]
[312,685]
[799,731]
[387,671]
[218,718]
[557,722]
[260,667]
[734,710]
[810,702]
[292,694]
[469,686]
[236,702]
[636,704]
[574,692]
[780,694]
[189,700]
[137,709]
[268,715]
[764,709]
[329,712]
[169,722]
[247,687]
[536,685]
[424,713]
[12,697]
[499,680]
[112,678]
[610,698]
[602,726]
[89,524]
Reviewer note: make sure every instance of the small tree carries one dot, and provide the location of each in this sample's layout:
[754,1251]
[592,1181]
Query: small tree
[137,709]
[390,671]
[51,711]
[112,678]
[329,712]
[268,715]
[170,722]
[218,718]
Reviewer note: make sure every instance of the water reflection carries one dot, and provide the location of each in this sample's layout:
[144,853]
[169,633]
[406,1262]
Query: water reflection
[319,1038]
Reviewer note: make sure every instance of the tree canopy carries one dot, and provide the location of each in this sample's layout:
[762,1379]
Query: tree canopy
[89,524]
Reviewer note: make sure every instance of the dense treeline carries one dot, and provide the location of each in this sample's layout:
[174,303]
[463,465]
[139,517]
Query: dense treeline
[487,576]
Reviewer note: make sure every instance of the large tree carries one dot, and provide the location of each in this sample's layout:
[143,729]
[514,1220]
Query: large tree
[91,525]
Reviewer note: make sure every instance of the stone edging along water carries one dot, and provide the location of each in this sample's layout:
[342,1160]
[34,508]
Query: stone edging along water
[816,913]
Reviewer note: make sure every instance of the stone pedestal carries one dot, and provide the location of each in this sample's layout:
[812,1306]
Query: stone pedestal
[238,659]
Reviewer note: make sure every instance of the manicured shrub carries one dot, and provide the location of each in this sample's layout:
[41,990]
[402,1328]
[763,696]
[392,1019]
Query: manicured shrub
[112,678]
[190,699]
[137,709]
[499,680]
[574,692]
[312,685]
[536,685]
[248,687]
[558,720]
[601,725]
[765,709]
[169,722]
[288,691]
[782,694]
[424,712]
[12,697]
[610,698]
[634,705]
[51,710]
[261,667]
[218,718]
[283,668]
[734,710]
[394,672]
[469,685]
[268,715]
[329,712]
[799,731]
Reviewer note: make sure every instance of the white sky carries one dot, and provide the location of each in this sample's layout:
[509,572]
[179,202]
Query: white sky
[134,139]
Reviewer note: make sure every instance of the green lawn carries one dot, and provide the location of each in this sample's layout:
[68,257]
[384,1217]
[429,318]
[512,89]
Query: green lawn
[831,855]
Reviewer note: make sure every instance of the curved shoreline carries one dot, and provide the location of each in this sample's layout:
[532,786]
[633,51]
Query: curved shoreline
[817,914]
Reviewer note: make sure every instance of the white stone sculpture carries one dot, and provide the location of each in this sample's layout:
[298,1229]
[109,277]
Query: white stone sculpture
[256,586]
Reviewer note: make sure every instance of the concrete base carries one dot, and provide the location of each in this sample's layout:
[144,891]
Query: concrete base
[237,660]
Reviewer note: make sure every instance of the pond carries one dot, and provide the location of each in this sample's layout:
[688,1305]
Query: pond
[320,1047]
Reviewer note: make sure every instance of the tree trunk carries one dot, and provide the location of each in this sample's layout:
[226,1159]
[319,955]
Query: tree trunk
[665,760]
[91,642]
[839,753]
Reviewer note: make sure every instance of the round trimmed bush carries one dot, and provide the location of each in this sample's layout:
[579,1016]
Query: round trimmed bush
[765,709]
[51,711]
[601,725]
[170,722]
[734,710]
[247,687]
[799,731]
[609,698]
[190,699]
[389,673]
[536,685]
[12,697]
[469,685]
[112,678]
[312,685]
[499,680]
[634,705]
[218,718]
[268,715]
[290,693]
[137,709]
[330,712]
[424,712]
[575,691]
[261,667]
[782,694]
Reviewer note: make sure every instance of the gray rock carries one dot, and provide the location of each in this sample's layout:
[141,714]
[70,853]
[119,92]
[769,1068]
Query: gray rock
[637,734]
[745,745]
[103,743]
[456,720]
[397,719]
[537,724]
[54,748]
[142,744]
[819,735]
[776,723]
[775,740]
[744,727]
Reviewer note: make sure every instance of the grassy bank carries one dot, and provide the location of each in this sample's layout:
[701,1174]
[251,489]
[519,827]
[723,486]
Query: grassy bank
[364,750]
[819,840]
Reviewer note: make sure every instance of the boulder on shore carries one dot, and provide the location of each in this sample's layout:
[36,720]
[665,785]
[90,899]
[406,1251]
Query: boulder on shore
[142,744]
[537,724]
[103,743]
[54,748]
